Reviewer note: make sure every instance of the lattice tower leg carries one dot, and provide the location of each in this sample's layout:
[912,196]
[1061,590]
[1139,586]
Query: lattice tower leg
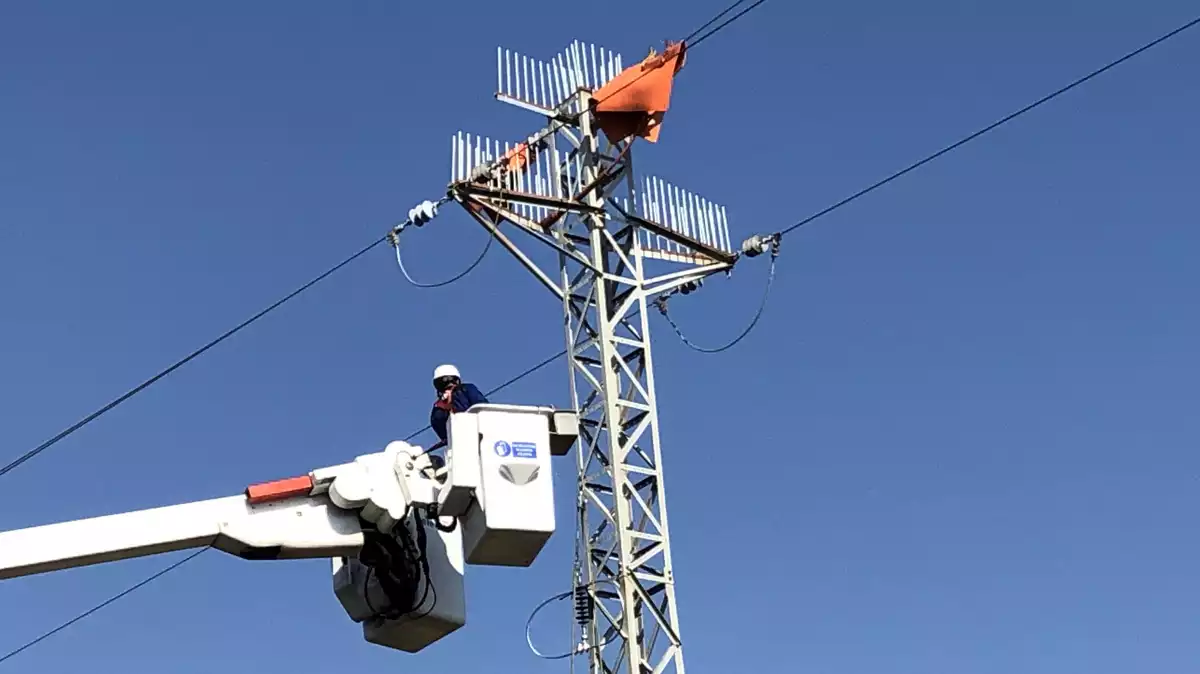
[623,542]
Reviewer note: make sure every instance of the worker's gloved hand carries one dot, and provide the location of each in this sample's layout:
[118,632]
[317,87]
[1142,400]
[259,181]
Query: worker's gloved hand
[447,394]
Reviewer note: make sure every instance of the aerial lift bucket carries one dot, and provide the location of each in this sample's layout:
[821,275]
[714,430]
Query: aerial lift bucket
[634,102]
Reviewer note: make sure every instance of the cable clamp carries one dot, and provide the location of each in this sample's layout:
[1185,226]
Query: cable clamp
[687,288]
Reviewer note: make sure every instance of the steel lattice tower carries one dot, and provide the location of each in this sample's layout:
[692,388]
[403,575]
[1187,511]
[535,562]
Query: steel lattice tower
[572,188]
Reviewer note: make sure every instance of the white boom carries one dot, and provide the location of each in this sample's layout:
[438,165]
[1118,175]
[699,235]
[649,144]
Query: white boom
[399,524]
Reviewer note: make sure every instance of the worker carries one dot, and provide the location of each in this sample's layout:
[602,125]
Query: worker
[453,396]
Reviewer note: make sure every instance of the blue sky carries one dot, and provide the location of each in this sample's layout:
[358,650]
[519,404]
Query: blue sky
[962,439]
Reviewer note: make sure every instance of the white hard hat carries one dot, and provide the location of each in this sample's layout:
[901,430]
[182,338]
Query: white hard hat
[445,371]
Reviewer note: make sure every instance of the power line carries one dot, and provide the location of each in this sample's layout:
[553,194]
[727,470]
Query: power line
[149,382]
[182,361]
[419,215]
[949,148]
[547,132]
[181,562]
[195,354]
[440,284]
[993,126]
[528,372]
[728,21]
[661,305]
[711,21]
[547,361]
[106,602]
[703,37]
[499,388]
[914,166]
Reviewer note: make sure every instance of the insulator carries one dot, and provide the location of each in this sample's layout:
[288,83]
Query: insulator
[756,245]
[422,213]
[585,610]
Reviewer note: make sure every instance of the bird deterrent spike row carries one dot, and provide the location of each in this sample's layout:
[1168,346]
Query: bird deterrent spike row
[536,168]
[532,167]
[545,85]
[685,213]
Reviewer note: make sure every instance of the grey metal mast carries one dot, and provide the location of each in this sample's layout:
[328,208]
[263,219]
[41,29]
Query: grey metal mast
[615,241]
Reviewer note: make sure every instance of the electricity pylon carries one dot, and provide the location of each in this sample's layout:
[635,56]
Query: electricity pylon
[620,241]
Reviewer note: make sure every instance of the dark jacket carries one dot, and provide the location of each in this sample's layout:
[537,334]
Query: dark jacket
[464,396]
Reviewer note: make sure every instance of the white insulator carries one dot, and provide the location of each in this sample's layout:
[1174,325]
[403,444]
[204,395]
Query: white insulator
[422,213]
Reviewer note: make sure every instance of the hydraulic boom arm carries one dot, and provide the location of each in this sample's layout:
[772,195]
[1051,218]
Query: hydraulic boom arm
[301,527]
[399,524]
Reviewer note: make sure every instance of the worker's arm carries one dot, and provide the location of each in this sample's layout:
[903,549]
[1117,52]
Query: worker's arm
[437,421]
[473,394]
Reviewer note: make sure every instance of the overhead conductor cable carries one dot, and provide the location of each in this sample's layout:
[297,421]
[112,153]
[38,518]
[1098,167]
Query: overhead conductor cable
[418,216]
[935,155]
[807,220]
[754,246]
